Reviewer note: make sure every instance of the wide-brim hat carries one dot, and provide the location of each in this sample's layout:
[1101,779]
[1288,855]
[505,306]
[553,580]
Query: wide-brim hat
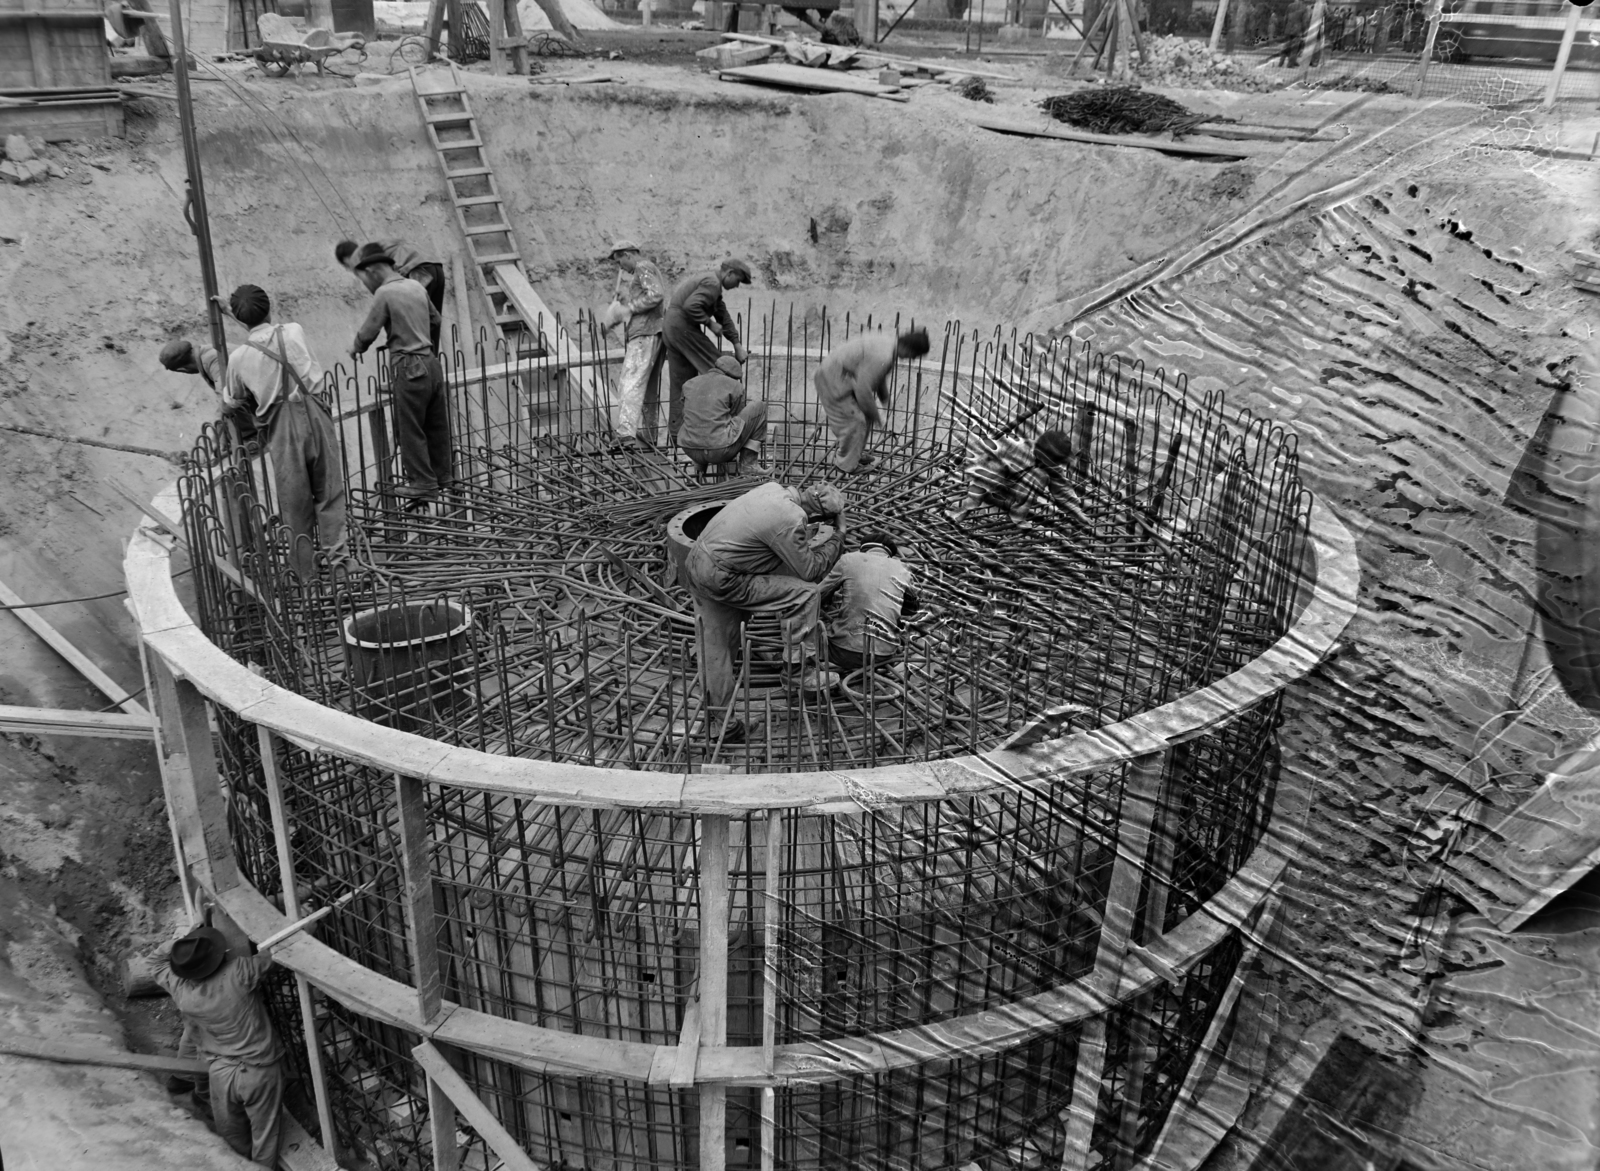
[198,954]
[371,254]
[623,246]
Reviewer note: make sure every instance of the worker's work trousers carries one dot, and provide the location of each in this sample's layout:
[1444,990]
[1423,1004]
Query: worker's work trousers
[723,599]
[851,428]
[690,351]
[307,481]
[431,277]
[639,388]
[421,420]
[752,430]
[245,1104]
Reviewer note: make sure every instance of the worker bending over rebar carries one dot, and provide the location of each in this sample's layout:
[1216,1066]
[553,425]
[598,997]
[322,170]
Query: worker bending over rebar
[215,991]
[864,598]
[853,387]
[695,307]
[1013,475]
[756,556]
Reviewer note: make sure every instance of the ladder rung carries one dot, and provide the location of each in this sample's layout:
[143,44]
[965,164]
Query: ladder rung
[465,144]
[498,258]
[446,118]
[475,200]
[488,230]
[467,173]
[441,93]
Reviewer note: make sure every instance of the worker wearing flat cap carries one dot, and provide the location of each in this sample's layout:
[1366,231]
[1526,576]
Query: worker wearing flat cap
[720,424]
[275,376]
[411,262]
[400,308]
[695,307]
[637,308]
[759,554]
[214,987]
[182,356]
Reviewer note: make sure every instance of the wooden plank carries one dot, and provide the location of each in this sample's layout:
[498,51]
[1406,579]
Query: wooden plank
[421,928]
[713,985]
[888,58]
[298,1151]
[441,1110]
[543,322]
[1169,146]
[39,1049]
[473,1110]
[819,80]
[67,651]
[46,721]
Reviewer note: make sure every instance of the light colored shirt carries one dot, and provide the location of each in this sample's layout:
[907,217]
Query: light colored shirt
[711,405]
[229,1021]
[252,374]
[858,371]
[765,531]
[400,307]
[643,298]
[865,586]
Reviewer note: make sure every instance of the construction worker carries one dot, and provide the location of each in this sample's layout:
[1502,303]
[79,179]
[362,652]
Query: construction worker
[216,993]
[182,356]
[412,263]
[756,554]
[638,304]
[719,423]
[1013,474]
[853,384]
[274,376]
[865,595]
[401,308]
[695,306]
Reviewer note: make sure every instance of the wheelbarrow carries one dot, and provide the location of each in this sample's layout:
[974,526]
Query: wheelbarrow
[284,47]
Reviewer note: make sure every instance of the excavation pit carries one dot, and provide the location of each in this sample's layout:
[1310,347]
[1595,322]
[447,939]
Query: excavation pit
[888,901]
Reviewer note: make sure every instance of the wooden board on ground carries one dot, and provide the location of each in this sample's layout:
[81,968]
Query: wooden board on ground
[298,1151]
[67,651]
[1535,852]
[46,721]
[874,55]
[40,1049]
[1167,145]
[818,80]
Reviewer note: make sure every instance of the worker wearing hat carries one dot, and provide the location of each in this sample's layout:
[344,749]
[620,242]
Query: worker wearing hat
[401,309]
[214,987]
[409,261]
[719,422]
[757,555]
[696,306]
[182,356]
[864,597]
[641,293]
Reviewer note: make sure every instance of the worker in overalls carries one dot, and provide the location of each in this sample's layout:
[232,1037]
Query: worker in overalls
[275,375]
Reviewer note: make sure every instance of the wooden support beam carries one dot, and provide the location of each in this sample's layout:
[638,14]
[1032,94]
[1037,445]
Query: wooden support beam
[421,928]
[442,1129]
[543,323]
[1139,795]
[40,1049]
[35,622]
[268,744]
[482,1120]
[189,776]
[713,985]
[49,721]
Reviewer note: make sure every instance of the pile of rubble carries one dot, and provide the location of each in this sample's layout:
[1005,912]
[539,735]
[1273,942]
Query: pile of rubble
[1183,64]
[23,164]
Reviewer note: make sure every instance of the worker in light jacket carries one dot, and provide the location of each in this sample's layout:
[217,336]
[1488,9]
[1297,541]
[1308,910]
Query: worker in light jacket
[853,387]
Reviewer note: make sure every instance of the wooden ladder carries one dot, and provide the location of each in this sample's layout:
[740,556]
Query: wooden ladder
[520,315]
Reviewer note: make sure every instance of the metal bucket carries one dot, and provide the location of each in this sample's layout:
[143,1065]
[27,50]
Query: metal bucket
[409,666]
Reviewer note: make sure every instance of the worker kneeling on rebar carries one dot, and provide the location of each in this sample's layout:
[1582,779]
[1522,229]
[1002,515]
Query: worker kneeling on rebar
[865,596]
[720,423]
[216,993]
[757,556]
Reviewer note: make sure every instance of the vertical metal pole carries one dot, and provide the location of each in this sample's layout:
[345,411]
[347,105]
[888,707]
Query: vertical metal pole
[195,207]
[1435,12]
[713,985]
[769,988]
[1219,24]
[1127,876]
[291,907]
[1568,34]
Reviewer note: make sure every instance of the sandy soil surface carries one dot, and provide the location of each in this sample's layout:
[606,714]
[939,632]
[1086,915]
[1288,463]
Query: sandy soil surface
[1409,330]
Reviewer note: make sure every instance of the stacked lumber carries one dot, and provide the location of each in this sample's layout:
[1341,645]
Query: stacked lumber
[1586,271]
[811,65]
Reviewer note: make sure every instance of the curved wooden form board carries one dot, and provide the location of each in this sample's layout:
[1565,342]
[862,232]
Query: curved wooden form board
[169,631]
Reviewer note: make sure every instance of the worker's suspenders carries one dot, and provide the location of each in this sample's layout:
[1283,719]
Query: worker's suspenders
[300,387]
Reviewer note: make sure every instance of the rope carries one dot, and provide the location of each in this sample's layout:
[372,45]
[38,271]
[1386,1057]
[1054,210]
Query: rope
[169,456]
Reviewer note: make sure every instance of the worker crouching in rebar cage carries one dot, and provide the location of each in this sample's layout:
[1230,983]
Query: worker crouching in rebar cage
[545,611]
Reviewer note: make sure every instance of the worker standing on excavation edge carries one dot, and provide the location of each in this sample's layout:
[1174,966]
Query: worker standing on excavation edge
[412,263]
[853,386]
[275,375]
[756,555]
[695,306]
[421,416]
[216,993]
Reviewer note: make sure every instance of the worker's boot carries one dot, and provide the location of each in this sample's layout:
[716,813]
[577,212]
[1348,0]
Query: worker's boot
[178,1085]
[750,463]
[819,679]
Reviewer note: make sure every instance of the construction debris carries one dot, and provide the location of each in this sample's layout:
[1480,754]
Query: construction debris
[789,76]
[1186,64]
[840,29]
[975,89]
[1165,145]
[1123,109]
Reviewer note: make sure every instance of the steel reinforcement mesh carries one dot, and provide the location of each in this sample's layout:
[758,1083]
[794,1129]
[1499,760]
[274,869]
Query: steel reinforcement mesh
[1174,557]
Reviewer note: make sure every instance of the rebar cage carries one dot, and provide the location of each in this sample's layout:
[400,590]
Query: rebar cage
[1174,554]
